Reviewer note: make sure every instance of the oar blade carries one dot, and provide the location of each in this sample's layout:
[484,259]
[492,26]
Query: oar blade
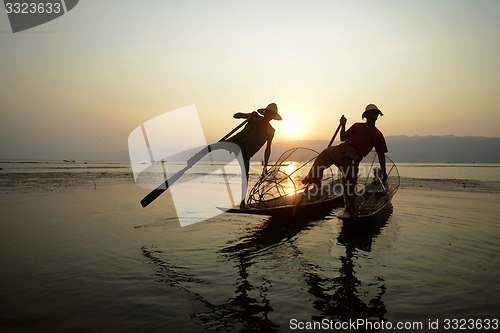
[151,196]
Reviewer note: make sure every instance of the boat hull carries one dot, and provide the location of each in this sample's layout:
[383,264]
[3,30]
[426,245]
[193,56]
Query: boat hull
[307,208]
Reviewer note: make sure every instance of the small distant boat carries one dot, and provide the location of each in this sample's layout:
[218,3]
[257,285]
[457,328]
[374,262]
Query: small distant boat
[69,161]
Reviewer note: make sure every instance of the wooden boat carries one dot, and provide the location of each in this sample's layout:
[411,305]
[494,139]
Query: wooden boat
[277,193]
[284,207]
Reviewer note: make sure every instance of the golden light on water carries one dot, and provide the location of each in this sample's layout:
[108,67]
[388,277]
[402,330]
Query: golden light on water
[288,168]
[289,185]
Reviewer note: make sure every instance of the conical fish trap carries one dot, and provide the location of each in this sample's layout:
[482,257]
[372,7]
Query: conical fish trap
[373,194]
[283,181]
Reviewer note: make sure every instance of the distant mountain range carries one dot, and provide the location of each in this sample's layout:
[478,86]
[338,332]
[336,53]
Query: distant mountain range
[449,148]
[437,149]
[430,149]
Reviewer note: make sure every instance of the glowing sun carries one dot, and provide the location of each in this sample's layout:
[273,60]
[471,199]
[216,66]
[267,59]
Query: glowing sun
[291,128]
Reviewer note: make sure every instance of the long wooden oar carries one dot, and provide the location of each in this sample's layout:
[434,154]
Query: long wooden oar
[164,186]
[301,198]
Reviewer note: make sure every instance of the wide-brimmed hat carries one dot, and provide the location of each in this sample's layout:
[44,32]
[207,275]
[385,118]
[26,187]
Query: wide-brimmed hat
[371,108]
[273,109]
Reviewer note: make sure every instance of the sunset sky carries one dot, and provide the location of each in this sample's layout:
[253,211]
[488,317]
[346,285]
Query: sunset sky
[80,84]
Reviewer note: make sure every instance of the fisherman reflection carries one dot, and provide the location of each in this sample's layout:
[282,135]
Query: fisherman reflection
[340,297]
[244,312]
[251,306]
[248,311]
[344,297]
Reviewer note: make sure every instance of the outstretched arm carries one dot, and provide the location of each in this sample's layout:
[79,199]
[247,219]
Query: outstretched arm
[242,115]
[381,160]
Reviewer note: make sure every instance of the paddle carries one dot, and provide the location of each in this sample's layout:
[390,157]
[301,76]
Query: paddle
[164,186]
[301,198]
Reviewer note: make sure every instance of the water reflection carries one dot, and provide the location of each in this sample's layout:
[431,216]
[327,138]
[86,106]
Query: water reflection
[345,297]
[243,312]
[252,312]
[337,295]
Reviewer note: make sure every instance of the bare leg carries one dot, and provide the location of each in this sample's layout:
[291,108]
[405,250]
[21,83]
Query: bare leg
[315,174]
[349,179]
[245,169]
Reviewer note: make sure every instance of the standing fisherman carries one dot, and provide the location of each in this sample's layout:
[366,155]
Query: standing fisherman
[358,141]
[257,132]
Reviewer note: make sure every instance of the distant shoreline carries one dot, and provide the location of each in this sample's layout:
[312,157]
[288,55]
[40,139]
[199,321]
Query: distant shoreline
[253,160]
[411,149]
[36,182]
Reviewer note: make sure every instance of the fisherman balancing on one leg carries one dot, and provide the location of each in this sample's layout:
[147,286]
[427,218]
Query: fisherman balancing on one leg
[358,141]
[257,132]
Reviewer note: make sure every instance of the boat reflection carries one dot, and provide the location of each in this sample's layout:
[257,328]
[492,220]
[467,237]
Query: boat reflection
[338,298]
[252,312]
[345,297]
[335,294]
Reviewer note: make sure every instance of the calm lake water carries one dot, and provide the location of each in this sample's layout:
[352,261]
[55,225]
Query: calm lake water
[88,257]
